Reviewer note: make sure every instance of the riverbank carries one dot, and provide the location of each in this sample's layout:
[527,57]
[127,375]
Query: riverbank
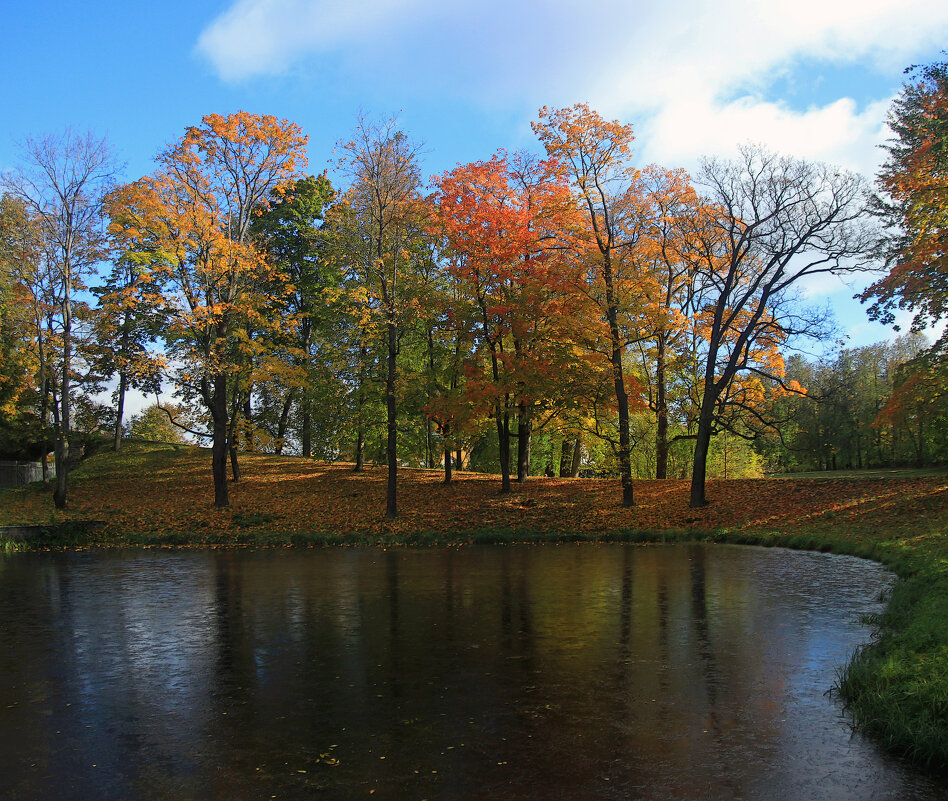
[159,495]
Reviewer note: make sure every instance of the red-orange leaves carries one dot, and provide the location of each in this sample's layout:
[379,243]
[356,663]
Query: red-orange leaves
[504,224]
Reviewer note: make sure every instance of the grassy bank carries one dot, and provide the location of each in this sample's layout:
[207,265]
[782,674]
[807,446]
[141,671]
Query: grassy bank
[153,495]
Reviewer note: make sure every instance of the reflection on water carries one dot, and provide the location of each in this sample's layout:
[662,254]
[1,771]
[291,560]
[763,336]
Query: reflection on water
[569,672]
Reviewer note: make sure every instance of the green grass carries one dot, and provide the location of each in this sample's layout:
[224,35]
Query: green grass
[869,472]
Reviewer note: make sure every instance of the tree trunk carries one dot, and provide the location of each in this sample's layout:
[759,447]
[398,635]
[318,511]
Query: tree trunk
[62,437]
[219,443]
[61,455]
[524,433]
[503,439]
[700,467]
[618,377]
[429,445]
[284,420]
[360,405]
[234,464]
[661,414]
[44,414]
[306,435]
[248,416]
[577,458]
[119,412]
[447,453]
[566,451]
[391,506]
[459,464]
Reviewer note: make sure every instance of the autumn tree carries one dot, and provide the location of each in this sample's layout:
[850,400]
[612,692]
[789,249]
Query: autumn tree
[189,224]
[916,411]
[597,155]
[34,282]
[62,181]
[501,220]
[381,163]
[663,208]
[913,203]
[776,222]
[19,258]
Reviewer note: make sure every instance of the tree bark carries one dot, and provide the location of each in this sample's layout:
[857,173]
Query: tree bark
[233,436]
[119,411]
[219,442]
[360,406]
[123,384]
[248,416]
[503,438]
[429,445]
[577,462]
[306,435]
[284,420]
[234,464]
[700,468]
[661,414]
[391,505]
[447,454]
[618,377]
[524,433]
[566,451]
[62,438]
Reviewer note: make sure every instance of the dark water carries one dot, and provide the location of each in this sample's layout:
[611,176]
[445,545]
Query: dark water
[570,672]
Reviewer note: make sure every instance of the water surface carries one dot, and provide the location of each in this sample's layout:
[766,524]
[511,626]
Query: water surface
[552,672]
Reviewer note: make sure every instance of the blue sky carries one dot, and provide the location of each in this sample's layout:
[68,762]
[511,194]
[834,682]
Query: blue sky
[812,78]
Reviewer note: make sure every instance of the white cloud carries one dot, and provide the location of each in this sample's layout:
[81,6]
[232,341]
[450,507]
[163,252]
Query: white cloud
[691,73]
[838,133]
[255,37]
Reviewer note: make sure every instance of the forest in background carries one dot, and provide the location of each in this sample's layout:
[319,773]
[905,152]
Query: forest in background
[559,312]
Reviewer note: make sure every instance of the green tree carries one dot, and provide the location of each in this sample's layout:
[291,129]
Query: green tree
[290,232]
[154,423]
[126,322]
[385,206]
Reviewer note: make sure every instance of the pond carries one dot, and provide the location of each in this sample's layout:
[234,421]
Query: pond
[536,672]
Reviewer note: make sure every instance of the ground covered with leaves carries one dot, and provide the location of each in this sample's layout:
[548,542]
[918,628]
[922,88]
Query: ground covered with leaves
[162,495]
[155,494]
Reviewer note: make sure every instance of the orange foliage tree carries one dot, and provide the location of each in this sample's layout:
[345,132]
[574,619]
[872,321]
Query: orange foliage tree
[596,153]
[914,178]
[187,227]
[503,223]
[663,207]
